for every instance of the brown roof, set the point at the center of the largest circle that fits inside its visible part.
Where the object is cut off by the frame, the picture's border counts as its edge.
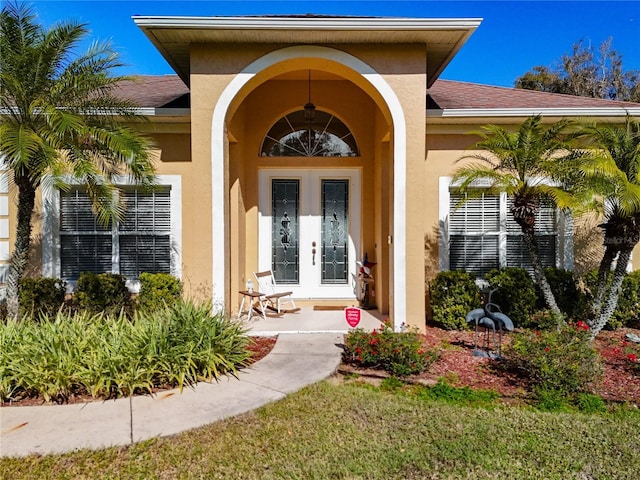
(169, 91)
(451, 94)
(156, 91)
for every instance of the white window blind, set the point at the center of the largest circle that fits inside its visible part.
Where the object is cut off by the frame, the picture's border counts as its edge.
(484, 236)
(140, 243)
(545, 232)
(474, 233)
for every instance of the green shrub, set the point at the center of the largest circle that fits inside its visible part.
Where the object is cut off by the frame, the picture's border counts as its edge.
(628, 308)
(158, 290)
(516, 294)
(41, 296)
(102, 293)
(570, 299)
(627, 311)
(542, 320)
(399, 353)
(564, 361)
(453, 294)
(114, 357)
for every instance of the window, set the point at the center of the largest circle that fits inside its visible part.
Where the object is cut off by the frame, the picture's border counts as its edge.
(145, 240)
(294, 136)
(479, 234)
(141, 242)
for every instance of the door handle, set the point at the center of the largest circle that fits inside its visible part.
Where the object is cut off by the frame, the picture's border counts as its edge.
(313, 253)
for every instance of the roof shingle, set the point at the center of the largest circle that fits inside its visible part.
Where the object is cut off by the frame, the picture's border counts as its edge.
(169, 91)
(446, 94)
(155, 91)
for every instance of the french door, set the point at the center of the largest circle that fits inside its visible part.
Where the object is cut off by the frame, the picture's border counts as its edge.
(309, 230)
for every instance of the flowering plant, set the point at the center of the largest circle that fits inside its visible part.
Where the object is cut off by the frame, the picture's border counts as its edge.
(563, 360)
(399, 353)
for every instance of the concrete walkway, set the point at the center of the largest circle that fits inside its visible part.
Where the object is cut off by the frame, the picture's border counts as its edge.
(297, 360)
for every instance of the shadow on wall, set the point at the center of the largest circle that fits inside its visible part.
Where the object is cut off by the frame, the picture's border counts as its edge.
(587, 245)
(34, 266)
(431, 265)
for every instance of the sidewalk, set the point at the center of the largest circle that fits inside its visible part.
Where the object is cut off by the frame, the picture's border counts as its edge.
(297, 360)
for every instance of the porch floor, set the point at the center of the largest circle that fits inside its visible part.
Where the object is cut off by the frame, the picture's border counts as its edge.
(308, 320)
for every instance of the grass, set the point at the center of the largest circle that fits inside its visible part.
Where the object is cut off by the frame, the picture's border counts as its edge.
(345, 431)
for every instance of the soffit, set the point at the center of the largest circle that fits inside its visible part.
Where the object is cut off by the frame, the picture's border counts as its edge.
(172, 36)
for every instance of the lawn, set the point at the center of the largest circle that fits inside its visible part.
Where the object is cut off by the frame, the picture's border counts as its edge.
(351, 430)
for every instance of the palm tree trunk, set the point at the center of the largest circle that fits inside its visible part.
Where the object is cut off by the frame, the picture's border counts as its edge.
(20, 256)
(538, 273)
(603, 275)
(614, 291)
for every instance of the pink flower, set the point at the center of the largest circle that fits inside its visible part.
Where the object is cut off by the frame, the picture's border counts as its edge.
(632, 357)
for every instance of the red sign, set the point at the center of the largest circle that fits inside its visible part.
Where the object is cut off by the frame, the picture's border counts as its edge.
(352, 316)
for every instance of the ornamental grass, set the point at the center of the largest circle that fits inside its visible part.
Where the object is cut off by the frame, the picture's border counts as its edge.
(110, 356)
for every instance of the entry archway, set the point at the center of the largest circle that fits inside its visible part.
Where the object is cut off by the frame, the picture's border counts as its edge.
(361, 73)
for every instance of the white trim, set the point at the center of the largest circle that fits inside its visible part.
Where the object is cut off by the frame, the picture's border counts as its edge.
(51, 225)
(399, 163)
(444, 202)
(162, 112)
(383, 24)
(528, 112)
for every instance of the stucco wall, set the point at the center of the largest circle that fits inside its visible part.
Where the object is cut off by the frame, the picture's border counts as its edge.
(353, 100)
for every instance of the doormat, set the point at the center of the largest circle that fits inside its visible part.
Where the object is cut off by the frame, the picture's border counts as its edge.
(329, 307)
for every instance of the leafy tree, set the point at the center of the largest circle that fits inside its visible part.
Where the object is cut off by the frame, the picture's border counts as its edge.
(60, 119)
(522, 163)
(586, 73)
(613, 174)
(542, 79)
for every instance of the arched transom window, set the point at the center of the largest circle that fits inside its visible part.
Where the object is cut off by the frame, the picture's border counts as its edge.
(298, 135)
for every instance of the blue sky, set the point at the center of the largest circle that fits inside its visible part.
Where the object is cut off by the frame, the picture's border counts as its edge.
(513, 37)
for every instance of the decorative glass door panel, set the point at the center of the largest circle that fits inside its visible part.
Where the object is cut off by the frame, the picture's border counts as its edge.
(335, 231)
(284, 232)
(309, 229)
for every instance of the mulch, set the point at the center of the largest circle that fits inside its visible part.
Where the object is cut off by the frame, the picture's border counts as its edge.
(460, 367)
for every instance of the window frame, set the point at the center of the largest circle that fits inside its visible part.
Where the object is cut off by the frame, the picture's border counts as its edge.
(563, 230)
(297, 126)
(51, 241)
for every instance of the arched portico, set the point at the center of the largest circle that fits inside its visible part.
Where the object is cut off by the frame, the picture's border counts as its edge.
(370, 81)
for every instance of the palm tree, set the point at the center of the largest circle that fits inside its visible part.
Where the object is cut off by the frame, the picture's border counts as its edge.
(613, 174)
(523, 164)
(60, 119)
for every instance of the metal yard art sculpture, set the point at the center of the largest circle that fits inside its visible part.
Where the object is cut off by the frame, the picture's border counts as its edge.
(490, 323)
